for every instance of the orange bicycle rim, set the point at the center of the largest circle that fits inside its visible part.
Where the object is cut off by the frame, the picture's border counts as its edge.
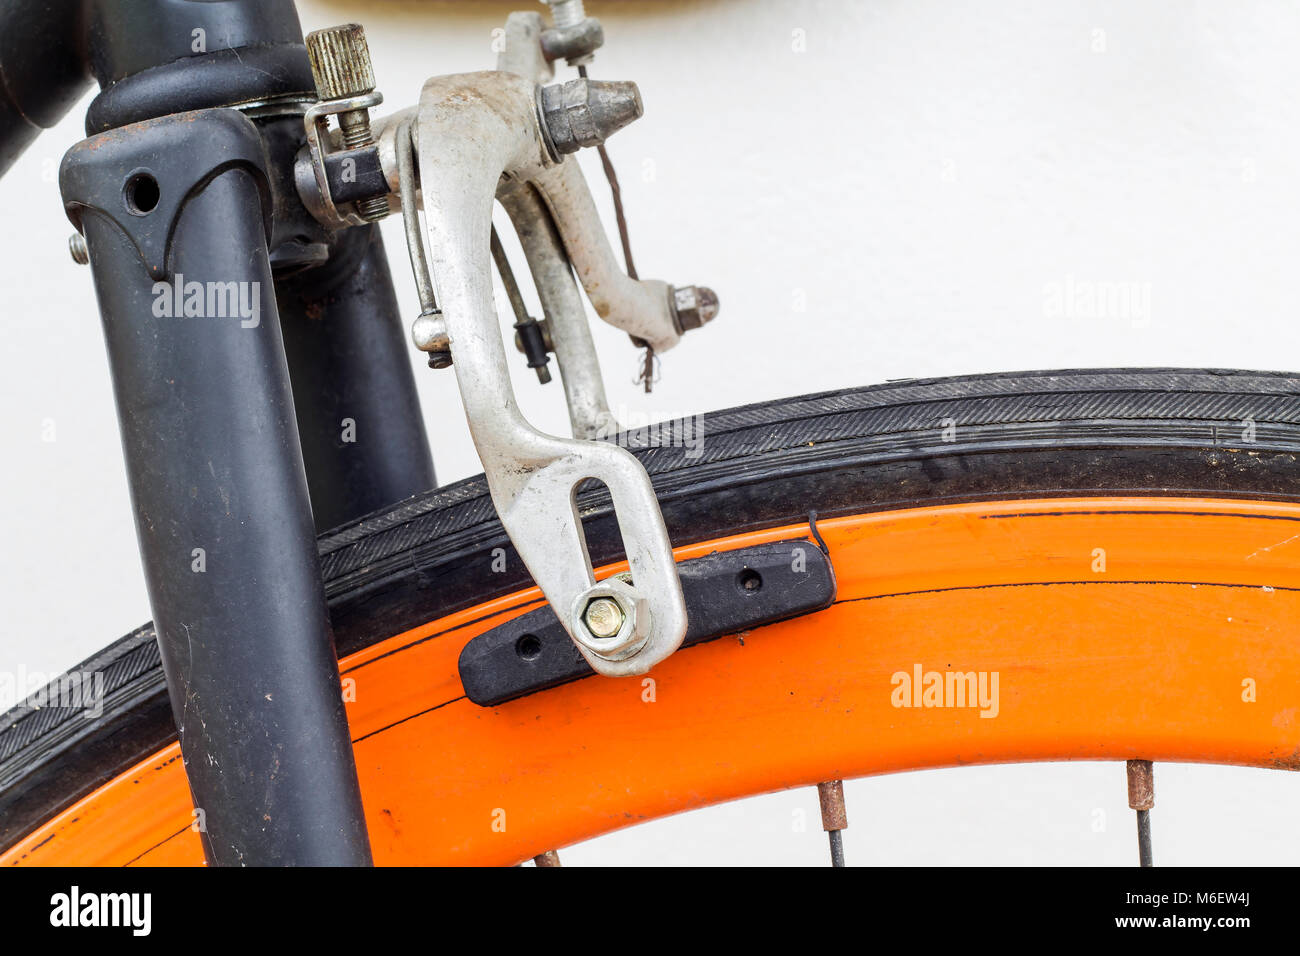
(1155, 628)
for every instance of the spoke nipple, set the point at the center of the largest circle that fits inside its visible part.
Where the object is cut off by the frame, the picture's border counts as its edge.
(1142, 797)
(835, 816)
(1141, 785)
(831, 797)
(549, 858)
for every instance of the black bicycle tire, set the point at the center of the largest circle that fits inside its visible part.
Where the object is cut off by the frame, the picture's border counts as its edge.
(1208, 432)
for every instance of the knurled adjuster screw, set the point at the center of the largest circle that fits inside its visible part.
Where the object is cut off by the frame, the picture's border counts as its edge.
(341, 67)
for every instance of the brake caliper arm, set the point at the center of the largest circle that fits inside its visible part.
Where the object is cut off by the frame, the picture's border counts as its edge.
(472, 130)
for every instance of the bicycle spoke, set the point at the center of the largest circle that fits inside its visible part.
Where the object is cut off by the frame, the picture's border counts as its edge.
(835, 817)
(1142, 797)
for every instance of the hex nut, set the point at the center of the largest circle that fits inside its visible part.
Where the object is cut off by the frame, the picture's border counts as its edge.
(586, 112)
(635, 629)
(694, 306)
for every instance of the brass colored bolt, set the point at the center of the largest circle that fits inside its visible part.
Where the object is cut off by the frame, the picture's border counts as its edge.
(603, 617)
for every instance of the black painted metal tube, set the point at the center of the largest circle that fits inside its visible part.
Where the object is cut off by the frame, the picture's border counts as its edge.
(127, 37)
(43, 70)
(363, 437)
(177, 54)
(175, 215)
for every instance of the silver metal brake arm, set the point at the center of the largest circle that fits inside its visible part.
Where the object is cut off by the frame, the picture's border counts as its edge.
(640, 307)
(473, 129)
(521, 48)
(575, 352)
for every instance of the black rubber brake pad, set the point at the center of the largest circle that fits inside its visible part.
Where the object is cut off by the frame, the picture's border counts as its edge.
(726, 592)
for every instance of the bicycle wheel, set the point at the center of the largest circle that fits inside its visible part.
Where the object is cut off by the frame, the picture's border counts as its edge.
(1121, 548)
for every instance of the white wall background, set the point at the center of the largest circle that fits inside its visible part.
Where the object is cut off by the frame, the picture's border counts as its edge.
(877, 190)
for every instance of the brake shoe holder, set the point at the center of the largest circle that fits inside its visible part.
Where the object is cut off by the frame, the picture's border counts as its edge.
(471, 131)
(727, 592)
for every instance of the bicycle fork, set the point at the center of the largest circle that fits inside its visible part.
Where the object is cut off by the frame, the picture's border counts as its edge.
(175, 215)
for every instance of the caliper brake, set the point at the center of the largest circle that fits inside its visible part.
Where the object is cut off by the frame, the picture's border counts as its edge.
(474, 135)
